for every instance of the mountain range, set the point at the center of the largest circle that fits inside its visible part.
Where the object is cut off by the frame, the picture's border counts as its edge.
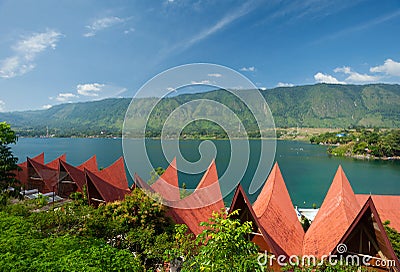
(319, 105)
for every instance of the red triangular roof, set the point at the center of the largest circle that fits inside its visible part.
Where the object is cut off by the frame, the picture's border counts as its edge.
(115, 174)
(368, 226)
(276, 214)
(56, 162)
(199, 206)
(77, 175)
(167, 184)
(210, 177)
(39, 158)
(388, 207)
(49, 175)
(337, 212)
(22, 175)
(107, 191)
(90, 164)
(206, 193)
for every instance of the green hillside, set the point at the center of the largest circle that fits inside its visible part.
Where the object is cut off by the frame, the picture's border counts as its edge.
(72, 119)
(320, 105)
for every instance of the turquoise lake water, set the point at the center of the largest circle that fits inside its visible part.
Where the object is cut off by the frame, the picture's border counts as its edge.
(307, 169)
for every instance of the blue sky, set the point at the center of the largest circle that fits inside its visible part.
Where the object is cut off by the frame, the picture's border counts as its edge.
(54, 52)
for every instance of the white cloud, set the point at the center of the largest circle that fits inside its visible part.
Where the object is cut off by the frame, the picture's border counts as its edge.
(2, 104)
(355, 77)
(281, 84)
(390, 68)
(215, 75)
(46, 107)
(90, 89)
(26, 51)
(65, 97)
(248, 69)
(88, 92)
(203, 82)
(325, 78)
(37, 43)
(130, 30)
(14, 66)
(102, 24)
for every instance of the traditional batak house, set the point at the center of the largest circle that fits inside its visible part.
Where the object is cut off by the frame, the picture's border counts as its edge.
(338, 210)
(199, 206)
(388, 208)
(59, 177)
(41, 177)
(22, 173)
(276, 228)
(193, 209)
(72, 179)
(275, 212)
(366, 237)
(341, 220)
(107, 185)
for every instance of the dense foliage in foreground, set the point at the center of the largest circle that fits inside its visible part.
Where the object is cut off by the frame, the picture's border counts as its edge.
(25, 249)
(375, 143)
(7, 159)
(130, 235)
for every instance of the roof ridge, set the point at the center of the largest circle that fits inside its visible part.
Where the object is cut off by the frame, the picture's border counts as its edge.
(272, 177)
(274, 169)
(167, 184)
(204, 183)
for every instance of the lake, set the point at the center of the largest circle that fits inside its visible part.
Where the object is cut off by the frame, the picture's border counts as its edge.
(307, 169)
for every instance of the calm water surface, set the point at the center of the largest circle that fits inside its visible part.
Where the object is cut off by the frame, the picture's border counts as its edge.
(307, 169)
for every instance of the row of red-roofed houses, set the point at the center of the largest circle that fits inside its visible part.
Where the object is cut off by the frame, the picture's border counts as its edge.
(343, 219)
(60, 178)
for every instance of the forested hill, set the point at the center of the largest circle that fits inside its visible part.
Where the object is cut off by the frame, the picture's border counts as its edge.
(320, 105)
(72, 119)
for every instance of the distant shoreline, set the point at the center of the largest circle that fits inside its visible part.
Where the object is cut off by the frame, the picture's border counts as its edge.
(290, 134)
(369, 157)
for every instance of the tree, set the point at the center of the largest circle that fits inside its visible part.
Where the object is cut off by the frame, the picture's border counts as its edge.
(394, 237)
(8, 163)
(138, 224)
(155, 174)
(224, 246)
